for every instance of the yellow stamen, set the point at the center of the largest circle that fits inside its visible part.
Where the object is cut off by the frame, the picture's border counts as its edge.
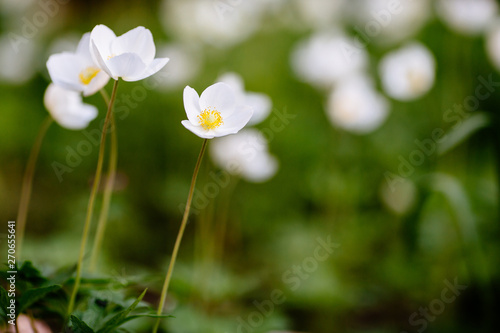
(88, 74)
(210, 119)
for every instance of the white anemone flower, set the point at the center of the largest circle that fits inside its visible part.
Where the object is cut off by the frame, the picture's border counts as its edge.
(319, 13)
(355, 106)
(408, 73)
(246, 155)
(186, 64)
(388, 21)
(218, 23)
(214, 113)
(77, 71)
(130, 56)
(469, 17)
(327, 58)
(17, 59)
(400, 196)
(493, 44)
(260, 103)
(67, 108)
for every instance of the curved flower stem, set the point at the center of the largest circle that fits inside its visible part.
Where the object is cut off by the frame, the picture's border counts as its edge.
(108, 191)
(90, 206)
(24, 202)
(179, 235)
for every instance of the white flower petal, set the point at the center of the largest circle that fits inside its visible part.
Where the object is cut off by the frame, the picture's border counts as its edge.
(233, 80)
(102, 38)
(138, 41)
(67, 108)
(408, 73)
(130, 56)
(78, 118)
(155, 66)
(97, 83)
(198, 130)
(244, 154)
(236, 121)
(493, 44)
(355, 106)
(187, 62)
(219, 96)
(128, 66)
(83, 48)
(327, 58)
(261, 105)
(191, 104)
(64, 69)
(261, 168)
(18, 57)
(470, 17)
(98, 59)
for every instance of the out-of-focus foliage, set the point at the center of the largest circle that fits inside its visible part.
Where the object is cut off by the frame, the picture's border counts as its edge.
(370, 219)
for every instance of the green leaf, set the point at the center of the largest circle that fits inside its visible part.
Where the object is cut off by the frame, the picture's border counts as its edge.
(33, 295)
(463, 131)
(94, 283)
(80, 326)
(97, 281)
(146, 315)
(120, 317)
(29, 273)
(63, 275)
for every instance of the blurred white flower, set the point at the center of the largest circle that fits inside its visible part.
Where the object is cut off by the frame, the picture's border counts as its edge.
(130, 56)
(63, 43)
(324, 59)
(408, 73)
(17, 58)
(388, 21)
(185, 65)
(319, 13)
(246, 155)
(469, 17)
(399, 196)
(219, 23)
(260, 103)
(355, 106)
(493, 44)
(67, 108)
(15, 7)
(77, 71)
(214, 113)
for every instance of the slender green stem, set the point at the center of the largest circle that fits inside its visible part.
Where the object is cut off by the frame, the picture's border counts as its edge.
(90, 206)
(24, 202)
(105, 96)
(179, 235)
(108, 191)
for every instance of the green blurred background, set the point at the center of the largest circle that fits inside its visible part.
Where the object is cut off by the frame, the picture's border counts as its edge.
(395, 249)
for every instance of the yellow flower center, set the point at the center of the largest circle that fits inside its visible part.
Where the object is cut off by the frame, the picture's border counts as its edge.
(88, 74)
(210, 119)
